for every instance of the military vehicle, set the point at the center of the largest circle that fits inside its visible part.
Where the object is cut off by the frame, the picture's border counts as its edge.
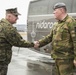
(40, 19)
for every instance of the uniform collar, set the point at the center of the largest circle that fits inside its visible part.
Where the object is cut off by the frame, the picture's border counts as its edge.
(5, 20)
(60, 21)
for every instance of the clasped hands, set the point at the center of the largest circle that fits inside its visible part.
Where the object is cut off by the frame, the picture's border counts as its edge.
(36, 44)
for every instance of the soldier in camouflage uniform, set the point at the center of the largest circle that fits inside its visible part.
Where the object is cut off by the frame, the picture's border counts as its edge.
(63, 38)
(9, 37)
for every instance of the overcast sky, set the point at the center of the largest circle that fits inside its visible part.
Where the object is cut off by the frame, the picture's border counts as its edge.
(22, 6)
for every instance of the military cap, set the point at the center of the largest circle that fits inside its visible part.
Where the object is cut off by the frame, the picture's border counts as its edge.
(13, 11)
(59, 5)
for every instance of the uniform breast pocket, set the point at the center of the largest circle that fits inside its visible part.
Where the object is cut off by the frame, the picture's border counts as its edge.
(57, 34)
(65, 33)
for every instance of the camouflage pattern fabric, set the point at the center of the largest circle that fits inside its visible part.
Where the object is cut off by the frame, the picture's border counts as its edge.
(3, 69)
(63, 41)
(9, 37)
(64, 67)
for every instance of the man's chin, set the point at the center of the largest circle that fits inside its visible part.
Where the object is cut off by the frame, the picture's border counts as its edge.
(14, 23)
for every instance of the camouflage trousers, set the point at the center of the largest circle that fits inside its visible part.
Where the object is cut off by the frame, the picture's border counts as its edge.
(3, 69)
(64, 66)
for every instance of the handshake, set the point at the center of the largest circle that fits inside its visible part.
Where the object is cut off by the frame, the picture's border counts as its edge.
(36, 44)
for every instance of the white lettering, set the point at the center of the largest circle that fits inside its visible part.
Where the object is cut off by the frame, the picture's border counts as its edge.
(44, 25)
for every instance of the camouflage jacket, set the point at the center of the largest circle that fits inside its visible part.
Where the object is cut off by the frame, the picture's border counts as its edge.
(10, 37)
(63, 38)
